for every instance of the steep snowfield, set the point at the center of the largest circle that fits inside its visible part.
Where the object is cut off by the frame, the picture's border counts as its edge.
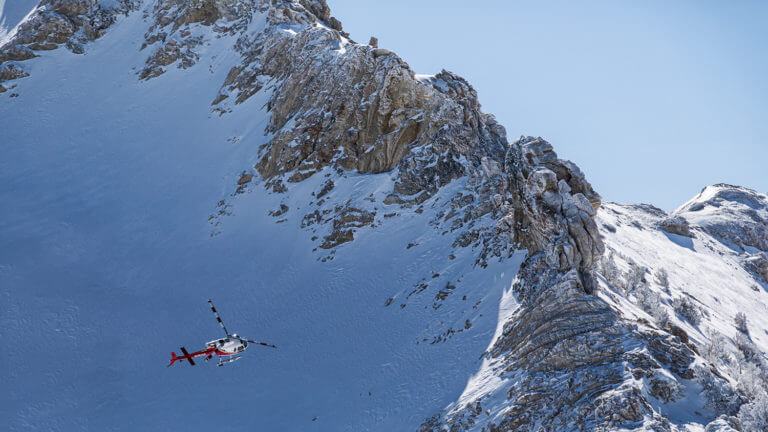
(107, 261)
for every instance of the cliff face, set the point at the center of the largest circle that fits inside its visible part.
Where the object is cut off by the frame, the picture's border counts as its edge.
(345, 141)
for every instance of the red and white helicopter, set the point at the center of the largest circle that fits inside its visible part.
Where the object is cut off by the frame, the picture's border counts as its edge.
(232, 345)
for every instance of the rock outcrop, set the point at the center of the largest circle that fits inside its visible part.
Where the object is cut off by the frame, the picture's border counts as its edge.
(757, 264)
(555, 207)
(340, 104)
(573, 362)
(677, 225)
(356, 107)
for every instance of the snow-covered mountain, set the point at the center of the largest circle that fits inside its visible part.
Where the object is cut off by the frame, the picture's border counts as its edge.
(417, 270)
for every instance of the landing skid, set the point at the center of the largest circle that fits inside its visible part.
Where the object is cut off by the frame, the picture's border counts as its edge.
(229, 360)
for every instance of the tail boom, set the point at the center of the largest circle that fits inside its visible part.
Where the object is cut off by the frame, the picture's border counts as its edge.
(187, 356)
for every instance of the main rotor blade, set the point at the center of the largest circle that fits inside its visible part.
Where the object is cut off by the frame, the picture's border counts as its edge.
(262, 343)
(218, 318)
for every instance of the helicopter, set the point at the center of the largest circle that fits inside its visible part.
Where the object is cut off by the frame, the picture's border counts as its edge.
(230, 346)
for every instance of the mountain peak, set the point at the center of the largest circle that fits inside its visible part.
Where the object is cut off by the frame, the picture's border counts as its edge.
(734, 214)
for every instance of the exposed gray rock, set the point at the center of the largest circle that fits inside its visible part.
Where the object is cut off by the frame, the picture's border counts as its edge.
(555, 206)
(319, 8)
(16, 52)
(334, 23)
(757, 264)
(168, 54)
(360, 111)
(345, 221)
(676, 225)
(348, 106)
(9, 71)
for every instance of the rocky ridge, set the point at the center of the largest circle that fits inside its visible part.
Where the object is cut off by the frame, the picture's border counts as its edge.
(378, 116)
(342, 106)
(570, 359)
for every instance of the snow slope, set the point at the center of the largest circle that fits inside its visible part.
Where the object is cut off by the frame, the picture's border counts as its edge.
(702, 267)
(107, 261)
(697, 284)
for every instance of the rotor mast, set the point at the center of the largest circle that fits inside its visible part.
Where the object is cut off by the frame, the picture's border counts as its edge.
(218, 318)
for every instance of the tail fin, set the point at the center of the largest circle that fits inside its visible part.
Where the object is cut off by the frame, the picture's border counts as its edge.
(173, 358)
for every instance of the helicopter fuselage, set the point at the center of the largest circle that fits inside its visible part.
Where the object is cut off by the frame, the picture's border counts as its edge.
(229, 345)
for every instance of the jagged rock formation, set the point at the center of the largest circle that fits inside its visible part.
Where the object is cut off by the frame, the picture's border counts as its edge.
(573, 361)
(556, 207)
(346, 106)
(340, 104)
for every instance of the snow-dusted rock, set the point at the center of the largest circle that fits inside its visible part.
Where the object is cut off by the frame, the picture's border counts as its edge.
(71, 23)
(724, 424)
(677, 225)
(758, 264)
(555, 206)
(734, 214)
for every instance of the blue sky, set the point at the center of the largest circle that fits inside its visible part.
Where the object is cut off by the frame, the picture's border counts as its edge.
(654, 100)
